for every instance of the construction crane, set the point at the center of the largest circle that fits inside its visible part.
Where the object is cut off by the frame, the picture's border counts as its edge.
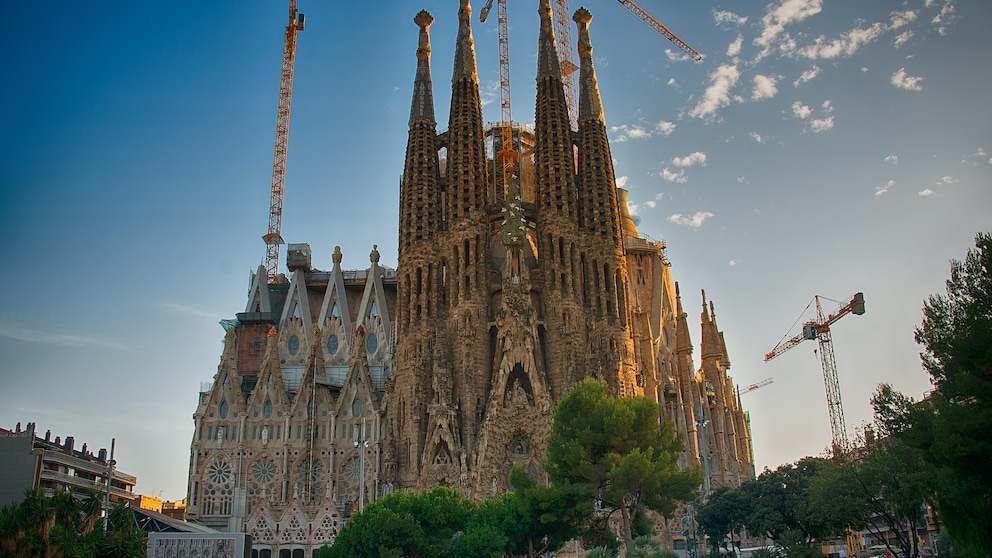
(507, 154)
(568, 67)
(274, 237)
(754, 386)
(819, 329)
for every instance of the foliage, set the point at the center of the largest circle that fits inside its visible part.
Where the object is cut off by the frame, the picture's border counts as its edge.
(547, 516)
(952, 426)
(621, 450)
(66, 526)
(406, 524)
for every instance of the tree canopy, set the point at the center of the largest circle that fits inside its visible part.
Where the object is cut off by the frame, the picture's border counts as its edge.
(622, 450)
(953, 426)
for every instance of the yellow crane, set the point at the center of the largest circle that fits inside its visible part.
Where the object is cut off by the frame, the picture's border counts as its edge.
(819, 329)
(274, 237)
(568, 67)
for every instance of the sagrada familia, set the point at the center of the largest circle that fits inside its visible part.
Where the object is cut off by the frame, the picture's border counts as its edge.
(337, 387)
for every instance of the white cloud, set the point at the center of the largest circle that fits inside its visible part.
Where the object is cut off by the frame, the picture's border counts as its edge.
(821, 124)
(734, 48)
(695, 221)
(946, 180)
(808, 75)
(717, 95)
(732, 263)
(741, 180)
(665, 128)
(925, 193)
(903, 38)
(800, 110)
(764, 87)
(671, 176)
(621, 181)
(489, 92)
(902, 80)
(672, 82)
(902, 19)
(894, 159)
(980, 152)
(844, 46)
(651, 203)
(757, 137)
(694, 158)
(864, 70)
(881, 190)
(945, 17)
(990, 161)
(629, 132)
(727, 19)
(676, 55)
(779, 15)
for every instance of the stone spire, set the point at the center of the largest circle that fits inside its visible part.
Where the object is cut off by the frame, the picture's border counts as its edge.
(590, 105)
(554, 156)
(710, 344)
(599, 213)
(423, 97)
(467, 172)
(420, 190)
(465, 47)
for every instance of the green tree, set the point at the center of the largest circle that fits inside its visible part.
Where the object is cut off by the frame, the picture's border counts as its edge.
(622, 450)
(406, 524)
(952, 426)
(547, 516)
(723, 514)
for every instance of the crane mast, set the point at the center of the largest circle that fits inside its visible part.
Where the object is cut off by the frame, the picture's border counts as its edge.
(819, 329)
(274, 237)
(507, 154)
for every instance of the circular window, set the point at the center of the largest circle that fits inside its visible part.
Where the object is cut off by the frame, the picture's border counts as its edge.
(332, 344)
(219, 472)
(356, 408)
(294, 345)
(264, 471)
(371, 343)
(223, 410)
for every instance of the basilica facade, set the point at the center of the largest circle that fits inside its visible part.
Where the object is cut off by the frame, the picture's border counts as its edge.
(513, 283)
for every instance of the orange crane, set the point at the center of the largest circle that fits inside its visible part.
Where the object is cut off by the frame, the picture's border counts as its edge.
(754, 386)
(819, 329)
(568, 67)
(507, 154)
(274, 237)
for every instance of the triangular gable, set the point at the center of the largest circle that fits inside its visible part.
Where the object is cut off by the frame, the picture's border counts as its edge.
(258, 293)
(374, 307)
(335, 304)
(297, 302)
(227, 383)
(358, 382)
(270, 386)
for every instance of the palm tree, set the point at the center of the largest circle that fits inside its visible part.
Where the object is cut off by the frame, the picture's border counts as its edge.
(90, 507)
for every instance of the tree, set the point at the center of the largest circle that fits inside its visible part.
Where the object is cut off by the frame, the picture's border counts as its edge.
(622, 450)
(406, 524)
(61, 526)
(547, 516)
(723, 514)
(952, 425)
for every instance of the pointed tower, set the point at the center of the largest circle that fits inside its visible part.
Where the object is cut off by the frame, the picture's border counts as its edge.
(687, 380)
(421, 222)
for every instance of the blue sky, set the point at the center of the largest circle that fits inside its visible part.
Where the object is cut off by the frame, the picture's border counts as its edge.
(819, 148)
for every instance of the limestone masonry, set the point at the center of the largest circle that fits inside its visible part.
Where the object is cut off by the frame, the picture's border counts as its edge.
(336, 387)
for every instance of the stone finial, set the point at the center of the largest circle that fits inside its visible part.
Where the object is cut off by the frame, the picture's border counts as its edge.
(422, 107)
(273, 333)
(374, 255)
(337, 255)
(424, 19)
(590, 103)
(315, 332)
